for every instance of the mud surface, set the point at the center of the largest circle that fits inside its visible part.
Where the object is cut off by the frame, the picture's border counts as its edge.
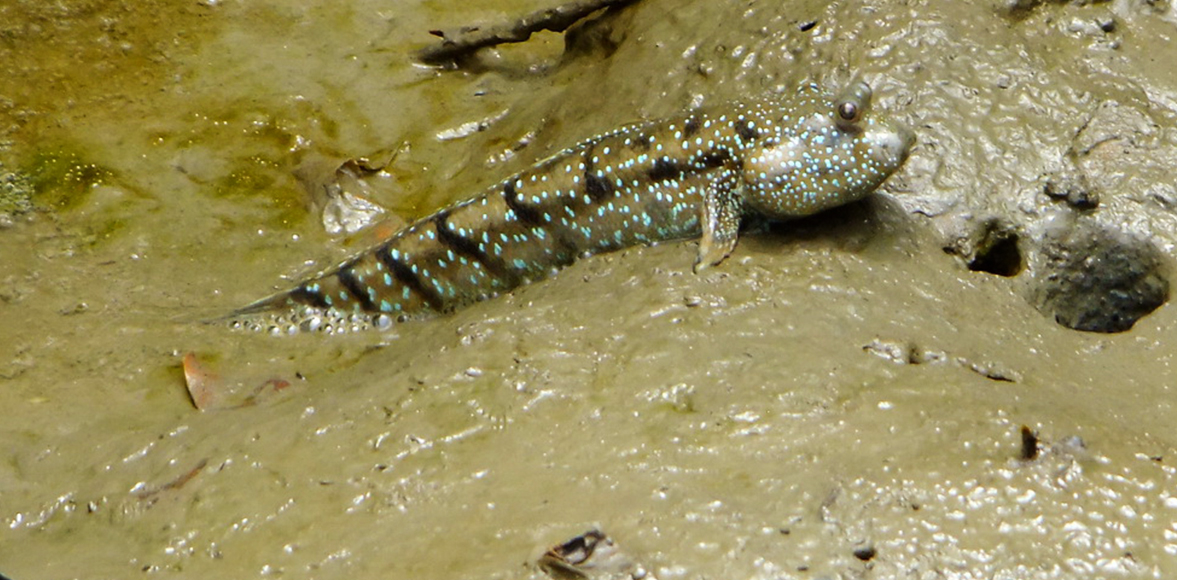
(844, 397)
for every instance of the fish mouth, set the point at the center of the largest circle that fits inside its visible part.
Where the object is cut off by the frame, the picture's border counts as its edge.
(892, 145)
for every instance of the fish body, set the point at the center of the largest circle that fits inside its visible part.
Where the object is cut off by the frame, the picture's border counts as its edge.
(695, 176)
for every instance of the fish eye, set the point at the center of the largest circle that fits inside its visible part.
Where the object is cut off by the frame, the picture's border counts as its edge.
(848, 112)
(851, 106)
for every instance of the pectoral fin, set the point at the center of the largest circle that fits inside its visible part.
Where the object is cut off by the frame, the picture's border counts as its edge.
(722, 209)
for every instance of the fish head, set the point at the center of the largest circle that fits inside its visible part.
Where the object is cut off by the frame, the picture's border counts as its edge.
(820, 151)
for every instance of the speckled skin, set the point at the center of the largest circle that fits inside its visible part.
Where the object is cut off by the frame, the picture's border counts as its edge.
(697, 175)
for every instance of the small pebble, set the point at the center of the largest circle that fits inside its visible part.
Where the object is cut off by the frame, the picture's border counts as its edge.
(865, 553)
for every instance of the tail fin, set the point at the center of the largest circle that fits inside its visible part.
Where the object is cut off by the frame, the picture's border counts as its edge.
(273, 303)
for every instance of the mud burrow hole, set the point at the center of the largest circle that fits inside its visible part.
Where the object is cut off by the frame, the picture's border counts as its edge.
(1098, 279)
(1084, 276)
(991, 248)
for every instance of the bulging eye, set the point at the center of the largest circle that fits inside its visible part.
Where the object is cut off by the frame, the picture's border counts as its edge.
(849, 112)
(851, 106)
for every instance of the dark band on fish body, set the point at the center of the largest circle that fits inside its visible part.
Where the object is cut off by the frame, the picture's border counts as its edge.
(594, 186)
(597, 188)
(470, 249)
(717, 158)
(747, 130)
(643, 142)
(359, 291)
(586, 157)
(305, 295)
(526, 214)
(691, 127)
(664, 169)
(532, 217)
(405, 275)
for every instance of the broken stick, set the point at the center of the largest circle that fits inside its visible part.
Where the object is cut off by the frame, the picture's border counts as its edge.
(464, 41)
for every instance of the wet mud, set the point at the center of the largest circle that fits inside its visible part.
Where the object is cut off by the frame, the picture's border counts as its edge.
(967, 375)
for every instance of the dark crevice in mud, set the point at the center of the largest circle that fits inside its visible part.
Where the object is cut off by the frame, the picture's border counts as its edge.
(1029, 450)
(1095, 279)
(1000, 257)
(992, 248)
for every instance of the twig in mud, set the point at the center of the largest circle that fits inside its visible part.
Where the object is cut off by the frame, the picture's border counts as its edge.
(464, 41)
(177, 483)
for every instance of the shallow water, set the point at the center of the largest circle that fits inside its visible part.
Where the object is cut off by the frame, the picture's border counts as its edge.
(839, 383)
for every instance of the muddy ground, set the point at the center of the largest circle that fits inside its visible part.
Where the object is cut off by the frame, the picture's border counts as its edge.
(967, 376)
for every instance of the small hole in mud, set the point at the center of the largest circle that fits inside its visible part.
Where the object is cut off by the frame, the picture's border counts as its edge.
(991, 246)
(1096, 279)
(1029, 450)
(1000, 257)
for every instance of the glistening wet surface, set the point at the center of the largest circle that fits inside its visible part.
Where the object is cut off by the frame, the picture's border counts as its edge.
(840, 397)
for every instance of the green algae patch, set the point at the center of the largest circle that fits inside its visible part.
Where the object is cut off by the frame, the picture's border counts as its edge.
(62, 179)
(264, 179)
(245, 151)
(252, 177)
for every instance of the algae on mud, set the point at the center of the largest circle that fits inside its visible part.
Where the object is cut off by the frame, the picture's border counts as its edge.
(693, 417)
(62, 179)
